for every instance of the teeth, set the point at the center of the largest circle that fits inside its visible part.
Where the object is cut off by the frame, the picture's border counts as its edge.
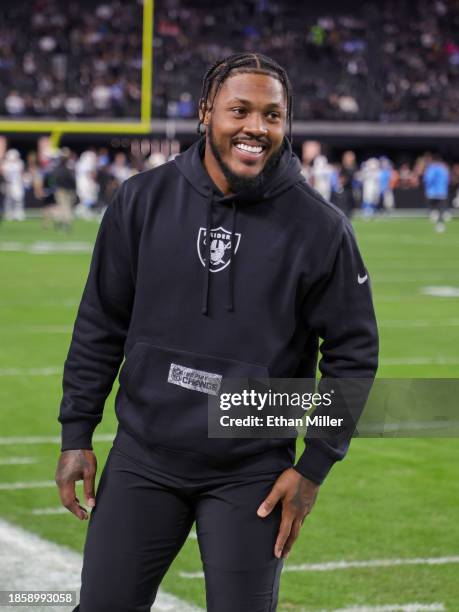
(249, 148)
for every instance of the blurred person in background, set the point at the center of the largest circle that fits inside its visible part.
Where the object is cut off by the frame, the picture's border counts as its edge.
(344, 194)
(156, 159)
(404, 177)
(455, 185)
(33, 182)
(387, 184)
(436, 189)
(2, 196)
(86, 184)
(321, 176)
(370, 177)
(12, 169)
(310, 149)
(105, 180)
(120, 169)
(63, 179)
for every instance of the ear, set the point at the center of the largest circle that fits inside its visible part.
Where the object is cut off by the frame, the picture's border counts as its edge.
(204, 113)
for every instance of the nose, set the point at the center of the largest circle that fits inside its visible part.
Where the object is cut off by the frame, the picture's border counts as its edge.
(255, 125)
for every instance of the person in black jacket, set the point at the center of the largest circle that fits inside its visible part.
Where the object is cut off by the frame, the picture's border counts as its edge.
(63, 181)
(220, 264)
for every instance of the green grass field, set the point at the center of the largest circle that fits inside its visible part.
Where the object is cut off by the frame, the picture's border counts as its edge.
(390, 498)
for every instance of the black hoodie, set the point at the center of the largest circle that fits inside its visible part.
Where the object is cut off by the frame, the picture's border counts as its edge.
(281, 270)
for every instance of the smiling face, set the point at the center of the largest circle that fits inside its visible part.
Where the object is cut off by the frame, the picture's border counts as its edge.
(245, 130)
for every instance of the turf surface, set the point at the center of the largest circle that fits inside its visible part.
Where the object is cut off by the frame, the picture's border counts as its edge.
(390, 498)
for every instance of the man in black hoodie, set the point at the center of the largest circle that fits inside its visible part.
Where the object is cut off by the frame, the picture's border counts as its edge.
(223, 263)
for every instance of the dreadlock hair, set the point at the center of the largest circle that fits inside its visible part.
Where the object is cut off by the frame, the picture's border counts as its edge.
(242, 63)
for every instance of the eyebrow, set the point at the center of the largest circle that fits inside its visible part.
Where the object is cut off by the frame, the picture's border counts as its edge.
(249, 103)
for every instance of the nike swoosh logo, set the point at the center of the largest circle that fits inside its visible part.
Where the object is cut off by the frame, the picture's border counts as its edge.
(362, 279)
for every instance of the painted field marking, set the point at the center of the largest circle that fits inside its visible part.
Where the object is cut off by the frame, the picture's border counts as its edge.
(434, 323)
(7, 440)
(30, 563)
(408, 607)
(438, 360)
(18, 461)
(37, 329)
(33, 484)
(67, 329)
(52, 303)
(49, 371)
(340, 565)
(441, 291)
(417, 279)
(49, 511)
(450, 427)
(41, 247)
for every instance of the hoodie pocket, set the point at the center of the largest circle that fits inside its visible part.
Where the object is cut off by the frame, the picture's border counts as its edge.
(166, 393)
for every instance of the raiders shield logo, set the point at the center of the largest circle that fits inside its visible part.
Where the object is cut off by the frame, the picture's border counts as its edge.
(220, 242)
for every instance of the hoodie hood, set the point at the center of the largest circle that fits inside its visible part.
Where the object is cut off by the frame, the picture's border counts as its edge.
(284, 175)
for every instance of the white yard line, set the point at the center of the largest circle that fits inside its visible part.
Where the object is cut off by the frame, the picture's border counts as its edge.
(441, 291)
(49, 511)
(409, 607)
(29, 562)
(18, 461)
(37, 329)
(50, 371)
(433, 323)
(34, 484)
(66, 329)
(448, 427)
(438, 360)
(62, 303)
(340, 565)
(8, 440)
(38, 248)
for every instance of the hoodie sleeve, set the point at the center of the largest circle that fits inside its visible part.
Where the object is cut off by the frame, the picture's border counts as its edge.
(97, 344)
(339, 310)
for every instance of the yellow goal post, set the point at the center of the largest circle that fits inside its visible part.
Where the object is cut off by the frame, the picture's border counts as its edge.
(58, 128)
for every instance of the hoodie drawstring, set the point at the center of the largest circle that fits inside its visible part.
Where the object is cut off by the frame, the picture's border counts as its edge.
(205, 288)
(206, 283)
(230, 306)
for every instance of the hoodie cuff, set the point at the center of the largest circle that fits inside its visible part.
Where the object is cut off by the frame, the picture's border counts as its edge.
(77, 435)
(314, 464)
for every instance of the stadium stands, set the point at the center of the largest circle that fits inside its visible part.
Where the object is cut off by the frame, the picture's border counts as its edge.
(391, 61)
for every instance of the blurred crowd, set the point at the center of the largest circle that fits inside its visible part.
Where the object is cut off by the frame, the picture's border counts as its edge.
(382, 61)
(65, 185)
(371, 185)
(70, 59)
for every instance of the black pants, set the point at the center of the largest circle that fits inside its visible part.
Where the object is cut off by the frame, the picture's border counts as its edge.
(142, 518)
(439, 205)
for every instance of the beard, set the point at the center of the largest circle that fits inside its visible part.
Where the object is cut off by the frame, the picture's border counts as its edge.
(237, 182)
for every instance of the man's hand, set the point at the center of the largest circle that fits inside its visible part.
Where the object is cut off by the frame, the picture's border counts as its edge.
(76, 465)
(298, 495)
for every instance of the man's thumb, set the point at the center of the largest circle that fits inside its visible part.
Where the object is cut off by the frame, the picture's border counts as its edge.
(269, 503)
